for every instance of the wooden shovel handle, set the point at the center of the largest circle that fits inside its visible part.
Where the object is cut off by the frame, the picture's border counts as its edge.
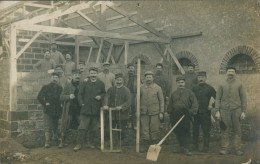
(164, 138)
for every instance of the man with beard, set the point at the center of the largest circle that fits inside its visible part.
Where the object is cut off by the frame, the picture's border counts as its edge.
(45, 64)
(161, 80)
(190, 77)
(56, 55)
(118, 97)
(49, 97)
(106, 77)
(204, 93)
(131, 84)
(182, 102)
(231, 105)
(71, 108)
(90, 96)
(69, 65)
(152, 109)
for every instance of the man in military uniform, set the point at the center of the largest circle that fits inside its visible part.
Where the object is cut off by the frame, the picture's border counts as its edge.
(182, 102)
(119, 97)
(106, 77)
(204, 93)
(71, 108)
(231, 105)
(90, 96)
(190, 77)
(152, 109)
(49, 97)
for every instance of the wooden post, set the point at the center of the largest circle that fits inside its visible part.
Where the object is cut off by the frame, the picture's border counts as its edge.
(138, 105)
(99, 51)
(109, 52)
(77, 50)
(175, 60)
(89, 54)
(13, 70)
(126, 51)
(102, 128)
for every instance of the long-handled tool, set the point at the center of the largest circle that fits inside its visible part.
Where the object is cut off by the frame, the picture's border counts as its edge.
(154, 150)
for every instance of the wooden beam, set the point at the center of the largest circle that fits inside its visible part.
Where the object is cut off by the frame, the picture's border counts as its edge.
(126, 52)
(113, 60)
(99, 51)
(28, 44)
(77, 50)
(138, 99)
(109, 52)
(13, 71)
(60, 30)
(175, 59)
(60, 36)
(38, 5)
(56, 14)
(89, 20)
(7, 47)
(187, 35)
(120, 53)
(43, 35)
(89, 54)
(145, 31)
(164, 54)
(159, 49)
(126, 25)
(120, 16)
(119, 22)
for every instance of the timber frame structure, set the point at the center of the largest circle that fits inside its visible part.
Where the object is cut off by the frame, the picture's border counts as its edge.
(92, 33)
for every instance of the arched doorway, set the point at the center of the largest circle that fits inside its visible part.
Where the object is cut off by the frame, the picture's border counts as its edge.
(185, 57)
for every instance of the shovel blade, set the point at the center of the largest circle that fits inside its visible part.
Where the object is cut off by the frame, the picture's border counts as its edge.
(153, 152)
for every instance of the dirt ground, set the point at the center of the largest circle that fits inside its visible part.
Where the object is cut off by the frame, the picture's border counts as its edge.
(11, 152)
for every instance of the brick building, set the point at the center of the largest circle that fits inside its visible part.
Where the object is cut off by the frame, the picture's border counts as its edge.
(210, 34)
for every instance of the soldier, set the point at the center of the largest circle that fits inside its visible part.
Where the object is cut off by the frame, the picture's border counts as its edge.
(119, 97)
(152, 109)
(45, 64)
(56, 55)
(231, 105)
(106, 77)
(161, 80)
(71, 108)
(190, 77)
(204, 93)
(182, 102)
(69, 65)
(131, 84)
(49, 97)
(90, 96)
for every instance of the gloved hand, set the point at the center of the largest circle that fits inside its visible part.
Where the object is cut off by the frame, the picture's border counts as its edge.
(217, 115)
(242, 116)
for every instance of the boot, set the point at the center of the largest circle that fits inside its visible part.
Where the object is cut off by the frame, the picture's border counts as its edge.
(61, 145)
(47, 140)
(223, 151)
(187, 152)
(144, 146)
(54, 136)
(80, 140)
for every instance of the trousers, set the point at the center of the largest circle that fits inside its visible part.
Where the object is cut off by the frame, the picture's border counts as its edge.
(150, 127)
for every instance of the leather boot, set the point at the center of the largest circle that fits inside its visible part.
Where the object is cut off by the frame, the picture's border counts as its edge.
(47, 140)
(80, 140)
(61, 145)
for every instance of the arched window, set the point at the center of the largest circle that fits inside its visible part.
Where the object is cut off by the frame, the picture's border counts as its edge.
(243, 63)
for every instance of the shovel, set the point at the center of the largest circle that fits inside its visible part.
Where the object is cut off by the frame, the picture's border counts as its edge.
(154, 150)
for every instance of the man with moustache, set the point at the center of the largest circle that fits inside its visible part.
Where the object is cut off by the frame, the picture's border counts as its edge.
(71, 108)
(119, 97)
(152, 109)
(190, 77)
(106, 77)
(56, 55)
(45, 64)
(161, 80)
(89, 97)
(84, 74)
(49, 97)
(231, 105)
(182, 102)
(62, 78)
(131, 84)
(204, 93)
(69, 65)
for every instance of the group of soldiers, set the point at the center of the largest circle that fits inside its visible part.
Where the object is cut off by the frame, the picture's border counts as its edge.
(78, 100)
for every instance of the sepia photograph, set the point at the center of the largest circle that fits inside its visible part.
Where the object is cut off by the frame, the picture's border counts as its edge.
(133, 82)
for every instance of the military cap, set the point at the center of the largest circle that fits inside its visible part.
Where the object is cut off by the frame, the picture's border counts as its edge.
(82, 62)
(181, 77)
(106, 63)
(148, 73)
(93, 69)
(159, 64)
(58, 66)
(202, 73)
(191, 65)
(129, 65)
(118, 75)
(55, 74)
(76, 71)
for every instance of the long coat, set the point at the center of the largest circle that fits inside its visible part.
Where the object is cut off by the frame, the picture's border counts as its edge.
(119, 97)
(87, 93)
(50, 93)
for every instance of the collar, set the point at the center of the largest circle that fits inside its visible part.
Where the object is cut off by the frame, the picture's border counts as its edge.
(231, 80)
(149, 86)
